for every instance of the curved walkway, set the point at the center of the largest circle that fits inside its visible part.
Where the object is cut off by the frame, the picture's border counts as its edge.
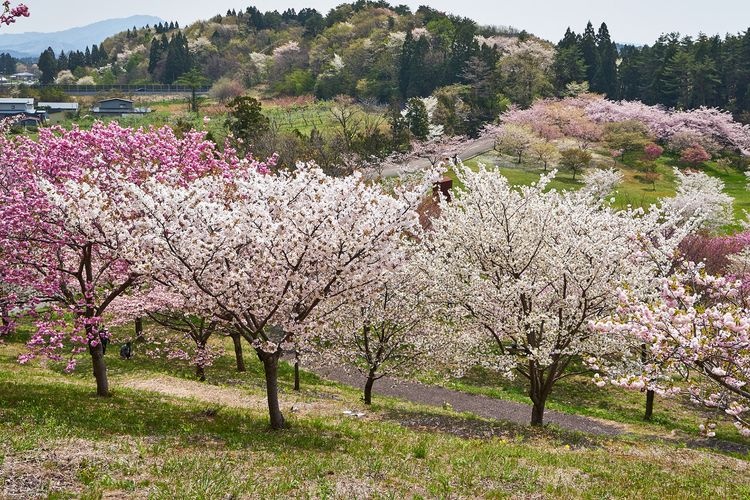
(479, 405)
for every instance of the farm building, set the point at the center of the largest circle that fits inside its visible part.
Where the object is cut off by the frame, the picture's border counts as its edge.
(118, 106)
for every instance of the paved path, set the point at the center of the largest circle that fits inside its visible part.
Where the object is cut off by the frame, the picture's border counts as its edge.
(473, 148)
(482, 406)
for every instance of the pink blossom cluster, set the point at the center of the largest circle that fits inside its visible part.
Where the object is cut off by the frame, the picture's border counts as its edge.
(696, 322)
(65, 220)
(714, 252)
(10, 14)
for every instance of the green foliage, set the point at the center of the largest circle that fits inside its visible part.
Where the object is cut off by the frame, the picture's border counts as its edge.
(194, 80)
(246, 121)
(298, 82)
(417, 118)
(48, 66)
(626, 136)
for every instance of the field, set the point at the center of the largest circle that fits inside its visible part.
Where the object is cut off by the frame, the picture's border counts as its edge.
(164, 435)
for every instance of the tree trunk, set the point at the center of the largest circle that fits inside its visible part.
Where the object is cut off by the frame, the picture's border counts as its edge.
(649, 404)
(100, 369)
(271, 369)
(649, 393)
(368, 388)
(537, 412)
(238, 352)
(200, 373)
(5, 317)
(296, 374)
(139, 330)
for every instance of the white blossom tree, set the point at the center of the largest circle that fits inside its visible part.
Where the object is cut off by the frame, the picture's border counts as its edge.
(700, 195)
(524, 270)
(391, 334)
(267, 250)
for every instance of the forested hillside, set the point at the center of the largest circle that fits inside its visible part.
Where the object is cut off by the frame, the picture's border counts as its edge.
(377, 52)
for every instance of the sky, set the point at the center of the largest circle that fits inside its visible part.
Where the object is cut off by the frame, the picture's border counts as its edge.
(629, 21)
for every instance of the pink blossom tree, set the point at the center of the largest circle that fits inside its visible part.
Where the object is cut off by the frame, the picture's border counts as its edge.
(652, 151)
(695, 155)
(66, 223)
(265, 252)
(696, 322)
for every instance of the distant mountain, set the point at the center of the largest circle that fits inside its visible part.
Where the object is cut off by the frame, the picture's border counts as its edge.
(32, 44)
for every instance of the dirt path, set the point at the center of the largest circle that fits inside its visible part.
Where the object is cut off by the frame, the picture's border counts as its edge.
(482, 406)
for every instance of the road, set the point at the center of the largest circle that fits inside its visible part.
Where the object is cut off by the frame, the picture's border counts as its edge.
(472, 149)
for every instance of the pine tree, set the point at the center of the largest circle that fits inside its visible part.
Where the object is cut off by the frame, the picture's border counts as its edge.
(154, 55)
(95, 55)
(62, 61)
(48, 66)
(589, 52)
(605, 78)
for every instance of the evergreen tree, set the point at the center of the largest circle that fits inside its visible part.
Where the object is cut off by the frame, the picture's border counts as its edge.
(417, 118)
(589, 52)
(94, 55)
(605, 79)
(48, 66)
(154, 55)
(178, 58)
(569, 65)
(246, 121)
(62, 61)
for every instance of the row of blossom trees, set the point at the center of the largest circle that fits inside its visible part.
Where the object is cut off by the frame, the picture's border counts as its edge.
(109, 224)
(90, 218)
(584, 118)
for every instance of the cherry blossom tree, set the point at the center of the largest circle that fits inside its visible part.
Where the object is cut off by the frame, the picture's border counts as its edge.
(709, 127)
(181, 336)
(66, 223)
(600, 183)
(513, 140)
(703, 196)
(265, 252)
(544, 153)
(696, 322)
(523, 270)
(8, 14)
(392, 334)
(695, 155)
(652, 151)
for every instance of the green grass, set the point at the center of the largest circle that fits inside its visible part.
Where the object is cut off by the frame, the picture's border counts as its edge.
(55, 432)
(632, 191)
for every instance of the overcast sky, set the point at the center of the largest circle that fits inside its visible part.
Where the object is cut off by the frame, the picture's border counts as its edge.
(636, 21)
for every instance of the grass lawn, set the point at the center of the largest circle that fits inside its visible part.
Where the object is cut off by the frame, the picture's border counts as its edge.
(164, 435)
(632, 191)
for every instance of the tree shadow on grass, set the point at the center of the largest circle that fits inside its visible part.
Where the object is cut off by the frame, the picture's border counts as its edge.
(470, 427)
(72, 410)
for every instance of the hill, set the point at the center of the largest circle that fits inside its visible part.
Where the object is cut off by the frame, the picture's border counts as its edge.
(164, 435)
(31, 44)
